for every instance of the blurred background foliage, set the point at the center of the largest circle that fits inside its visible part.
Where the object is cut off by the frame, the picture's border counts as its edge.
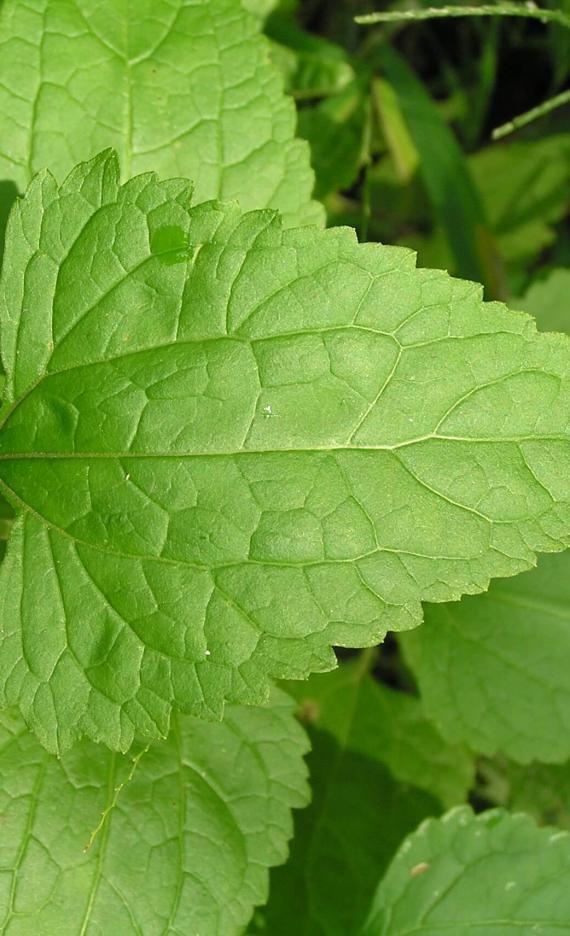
(399, 118)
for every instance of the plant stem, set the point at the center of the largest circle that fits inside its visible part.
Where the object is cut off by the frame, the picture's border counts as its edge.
(524, 119)
(525, 10)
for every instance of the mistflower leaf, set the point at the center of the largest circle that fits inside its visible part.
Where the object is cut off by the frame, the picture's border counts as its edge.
(178, 87)
(187, 847)
(232, 446)
(496, 873)
(493, 669)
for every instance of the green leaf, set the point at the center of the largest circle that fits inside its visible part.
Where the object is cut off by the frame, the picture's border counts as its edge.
(543, 790)
(185, 849)
(495, 873)
(493, 669)
(387, 726)
(342, 844)
(525, 188)
(360, 810)
(260, 8)
(548, 300)
(179, 87)
(336, 131)
(311, 66)
(233, 446)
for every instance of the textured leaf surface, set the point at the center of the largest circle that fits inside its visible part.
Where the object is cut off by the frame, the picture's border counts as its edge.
(387, 726)
(187, 846)
(179, 87)
(493, 669)
(343, 842)
(233, 446)
(494, 873)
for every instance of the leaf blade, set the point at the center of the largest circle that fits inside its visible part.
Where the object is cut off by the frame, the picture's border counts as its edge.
(183, 89)
(475, 871)
(304, 436)
(159, 861)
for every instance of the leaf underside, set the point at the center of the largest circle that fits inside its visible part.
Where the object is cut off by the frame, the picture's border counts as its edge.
(185, 849)
(233, 445)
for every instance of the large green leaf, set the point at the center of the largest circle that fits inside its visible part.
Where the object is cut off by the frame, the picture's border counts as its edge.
(494, 873)
(179, 87)
(482, 677)
(232, 446)
(493, 669)
(185, 849)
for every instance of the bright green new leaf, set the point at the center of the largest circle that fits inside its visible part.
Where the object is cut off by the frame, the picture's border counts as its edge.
(184, 850)
(178, 87)
(343, 842)
(494, 873)
(387, 726)
(233, 446)
(493, 669)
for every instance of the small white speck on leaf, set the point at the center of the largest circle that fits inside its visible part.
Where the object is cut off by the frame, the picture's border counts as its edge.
(267, 410)
(207, 652)
(510, 884)
(127, 477)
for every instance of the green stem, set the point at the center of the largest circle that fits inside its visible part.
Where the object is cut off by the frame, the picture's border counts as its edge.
(526, 10)
(114, 799)
(524, 119)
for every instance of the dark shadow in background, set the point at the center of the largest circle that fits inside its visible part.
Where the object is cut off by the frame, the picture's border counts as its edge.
(8, 194)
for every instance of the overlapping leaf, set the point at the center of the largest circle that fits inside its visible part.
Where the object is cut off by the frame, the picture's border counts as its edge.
(179, 87)
(496, 873)
(493, 669)
(232, 446)
(360, 810)
(382, 724)
(548, 300)
(343, 842)
(185, 849)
